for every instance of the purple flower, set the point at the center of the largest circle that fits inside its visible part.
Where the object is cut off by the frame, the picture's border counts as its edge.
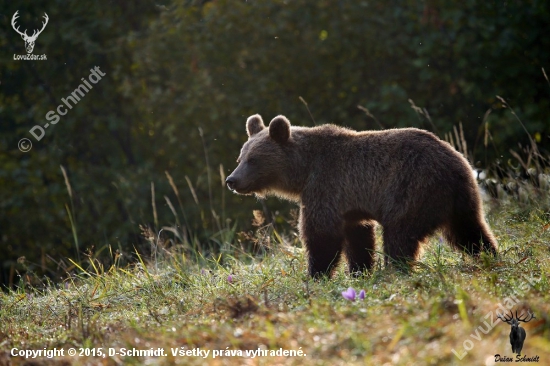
(203, 272)
(349, 294)
(362, 295)
(230, 278)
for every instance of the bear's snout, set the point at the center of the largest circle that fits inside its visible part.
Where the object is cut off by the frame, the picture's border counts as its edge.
(231, 182)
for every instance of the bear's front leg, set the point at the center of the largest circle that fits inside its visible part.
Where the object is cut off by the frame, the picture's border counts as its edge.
(323, 238)
(324, 251)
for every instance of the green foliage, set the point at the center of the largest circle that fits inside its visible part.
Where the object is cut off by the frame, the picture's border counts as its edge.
(228, 60)
(104, 155)
(174, 68)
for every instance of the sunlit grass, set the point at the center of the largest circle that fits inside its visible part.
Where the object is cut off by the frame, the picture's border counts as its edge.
(187, 301)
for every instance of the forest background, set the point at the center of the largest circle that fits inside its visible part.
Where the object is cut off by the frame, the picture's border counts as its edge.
(149, 146)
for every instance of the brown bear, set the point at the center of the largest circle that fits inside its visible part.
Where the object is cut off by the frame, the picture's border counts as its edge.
(408, 180)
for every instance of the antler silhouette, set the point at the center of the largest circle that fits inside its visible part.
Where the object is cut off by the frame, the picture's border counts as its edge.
(517, 333)
(13, 19)
(46, 18)
(29, 40)
(525, 320)
(505, 318)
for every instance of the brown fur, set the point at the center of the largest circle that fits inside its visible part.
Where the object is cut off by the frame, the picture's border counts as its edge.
(407, 180)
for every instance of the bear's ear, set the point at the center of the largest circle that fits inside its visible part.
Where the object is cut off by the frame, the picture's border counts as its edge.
(279, 129)
(254, 124)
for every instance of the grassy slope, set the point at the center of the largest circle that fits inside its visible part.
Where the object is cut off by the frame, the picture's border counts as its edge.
(404, 319)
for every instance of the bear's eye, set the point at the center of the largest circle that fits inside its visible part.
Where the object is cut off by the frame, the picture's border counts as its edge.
(252, 161)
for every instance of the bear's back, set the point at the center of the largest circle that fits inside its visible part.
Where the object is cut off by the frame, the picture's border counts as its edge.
(397, 147)
(387, 170)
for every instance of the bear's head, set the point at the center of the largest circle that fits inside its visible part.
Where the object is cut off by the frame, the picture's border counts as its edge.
(265, 159)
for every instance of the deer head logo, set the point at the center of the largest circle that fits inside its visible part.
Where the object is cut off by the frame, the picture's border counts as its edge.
(29, 40)
(517, 333)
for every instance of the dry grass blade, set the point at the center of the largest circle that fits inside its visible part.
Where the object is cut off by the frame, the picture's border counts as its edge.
(369, 114)
(222, 176)
(172, 208)
(308, 111)
(193, 193)
(153, 203)
(67, 183)
(259, 218)
(172, 184)
(533, 143)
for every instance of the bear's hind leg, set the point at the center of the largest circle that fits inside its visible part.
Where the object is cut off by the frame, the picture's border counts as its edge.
(360, 245)
(401, 246)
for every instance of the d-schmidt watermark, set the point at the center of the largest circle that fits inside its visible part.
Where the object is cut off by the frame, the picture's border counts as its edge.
(54, 116)
(29, 40)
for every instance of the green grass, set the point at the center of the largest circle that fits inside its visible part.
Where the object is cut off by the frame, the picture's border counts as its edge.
(184, 300)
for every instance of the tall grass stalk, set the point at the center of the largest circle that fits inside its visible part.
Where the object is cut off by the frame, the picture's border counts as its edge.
(209, 178)
(176, 191)
(71, 212)
(154, 205)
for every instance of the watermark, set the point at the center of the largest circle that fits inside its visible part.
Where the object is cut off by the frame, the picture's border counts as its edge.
(517, 333)
(29, 57)
(29, 40)
(182, 352)
(524, 358)
(517, 336)
(54, 116)
(491, 321)
(25, 145)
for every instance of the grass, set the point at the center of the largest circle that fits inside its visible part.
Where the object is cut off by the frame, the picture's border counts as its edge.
(185, 300)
